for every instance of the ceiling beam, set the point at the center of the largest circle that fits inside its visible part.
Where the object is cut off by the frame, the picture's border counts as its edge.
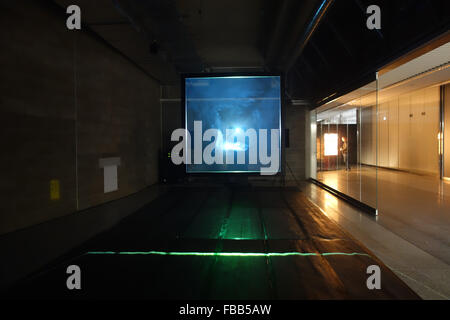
(312, 26)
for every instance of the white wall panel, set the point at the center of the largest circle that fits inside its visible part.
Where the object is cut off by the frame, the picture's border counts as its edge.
(393, 133)
(408, 126)
(383, 134)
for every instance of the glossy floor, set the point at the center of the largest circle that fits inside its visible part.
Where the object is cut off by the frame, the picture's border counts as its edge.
(415, 207)
(224, 242)
(425, 274)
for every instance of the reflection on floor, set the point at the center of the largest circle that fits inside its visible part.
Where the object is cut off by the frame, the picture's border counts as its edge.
(427, 275)
(222, 243)
(415, 207)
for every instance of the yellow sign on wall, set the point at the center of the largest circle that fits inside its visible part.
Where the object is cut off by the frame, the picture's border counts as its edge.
(54, 189)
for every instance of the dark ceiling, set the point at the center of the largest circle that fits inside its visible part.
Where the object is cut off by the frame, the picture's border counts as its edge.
(169, 37)
(343, 53)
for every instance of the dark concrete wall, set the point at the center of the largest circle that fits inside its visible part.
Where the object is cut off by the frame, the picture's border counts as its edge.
(29, 250)
(67, 100)
(295, 155)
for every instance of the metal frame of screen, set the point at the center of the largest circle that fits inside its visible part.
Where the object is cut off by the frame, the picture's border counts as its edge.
(231, 75)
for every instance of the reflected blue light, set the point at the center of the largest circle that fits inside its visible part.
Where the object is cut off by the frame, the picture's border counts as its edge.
(233, 146)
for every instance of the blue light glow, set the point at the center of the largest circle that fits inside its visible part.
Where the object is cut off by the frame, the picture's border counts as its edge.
(237, 104)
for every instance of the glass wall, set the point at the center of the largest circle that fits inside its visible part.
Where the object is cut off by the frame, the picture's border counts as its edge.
(346, 145)
(386, 141)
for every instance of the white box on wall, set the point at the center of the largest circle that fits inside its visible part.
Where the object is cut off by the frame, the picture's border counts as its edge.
(110, 180)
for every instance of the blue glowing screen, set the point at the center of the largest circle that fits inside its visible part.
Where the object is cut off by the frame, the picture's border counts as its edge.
(232, 106)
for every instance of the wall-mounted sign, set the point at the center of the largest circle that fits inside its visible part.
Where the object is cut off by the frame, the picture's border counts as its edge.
(331, 144)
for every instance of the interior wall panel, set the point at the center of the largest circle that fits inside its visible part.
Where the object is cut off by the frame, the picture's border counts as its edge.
(393, 133)
(368, 136)
(417, 146)
(408, 128)
(447, 131)
(383, 134)
(431, 129)
(404, 131)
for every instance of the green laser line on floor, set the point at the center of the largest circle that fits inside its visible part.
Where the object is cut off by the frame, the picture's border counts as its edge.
(227, 254)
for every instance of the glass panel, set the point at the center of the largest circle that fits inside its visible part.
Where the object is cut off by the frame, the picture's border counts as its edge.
(394, 148)
(410, 152)
(346, 146)
(313, 145)
(444, 149)
(369, 141)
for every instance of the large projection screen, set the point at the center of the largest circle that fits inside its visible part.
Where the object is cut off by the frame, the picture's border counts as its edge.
(235, 107)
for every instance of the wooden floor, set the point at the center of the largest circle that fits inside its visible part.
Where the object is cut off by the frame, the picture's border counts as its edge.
(224, 242)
